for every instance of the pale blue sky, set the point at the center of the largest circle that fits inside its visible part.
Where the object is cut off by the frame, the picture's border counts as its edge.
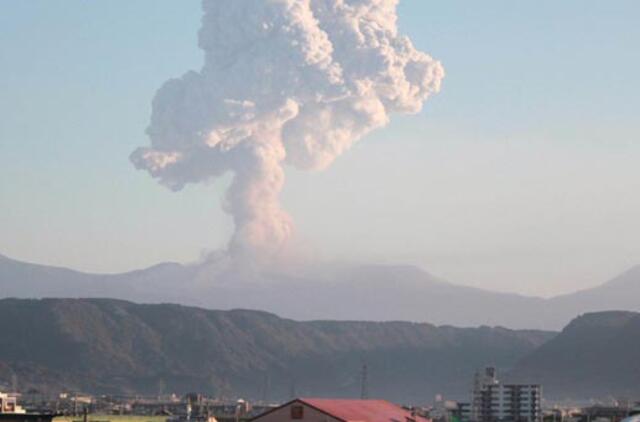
(522, 175)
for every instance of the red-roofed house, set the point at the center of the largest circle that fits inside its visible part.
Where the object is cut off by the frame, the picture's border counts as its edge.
(338, 410)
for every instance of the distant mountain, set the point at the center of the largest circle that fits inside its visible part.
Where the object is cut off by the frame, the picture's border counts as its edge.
(621, 293)
(112, 346)
(596, 355)
(25, 280)
(342, 292)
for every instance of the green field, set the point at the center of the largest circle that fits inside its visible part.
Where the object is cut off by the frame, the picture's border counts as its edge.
(111, 418)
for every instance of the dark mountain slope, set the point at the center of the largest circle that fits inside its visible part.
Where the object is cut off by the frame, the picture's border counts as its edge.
(116, 346)
(596, 355)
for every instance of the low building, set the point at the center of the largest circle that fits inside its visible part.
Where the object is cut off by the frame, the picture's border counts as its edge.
(604, 413)
(10, 411)
(339, 410)
(9, 404)
(460, 412)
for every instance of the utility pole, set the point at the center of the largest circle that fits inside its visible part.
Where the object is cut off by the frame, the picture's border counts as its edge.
(14, 382)
(292, 389)
(265, 388)
(364, 382)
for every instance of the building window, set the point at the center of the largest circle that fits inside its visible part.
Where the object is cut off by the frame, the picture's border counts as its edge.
(297, 412)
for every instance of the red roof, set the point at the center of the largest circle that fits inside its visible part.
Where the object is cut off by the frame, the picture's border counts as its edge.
(363, 410)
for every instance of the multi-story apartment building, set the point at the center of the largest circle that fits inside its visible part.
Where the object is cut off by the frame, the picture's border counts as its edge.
(493, 401)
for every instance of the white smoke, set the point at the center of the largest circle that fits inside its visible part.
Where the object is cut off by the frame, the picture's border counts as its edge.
(284, 81)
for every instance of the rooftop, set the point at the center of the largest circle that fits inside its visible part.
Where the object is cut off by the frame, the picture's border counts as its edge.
(362, 410)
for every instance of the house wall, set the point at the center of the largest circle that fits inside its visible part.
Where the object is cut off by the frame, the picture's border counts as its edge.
(284, 415)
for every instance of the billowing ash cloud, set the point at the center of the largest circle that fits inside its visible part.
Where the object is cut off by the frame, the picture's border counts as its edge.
(284, 81)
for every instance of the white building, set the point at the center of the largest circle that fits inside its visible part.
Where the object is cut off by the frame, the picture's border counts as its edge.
(493, 401)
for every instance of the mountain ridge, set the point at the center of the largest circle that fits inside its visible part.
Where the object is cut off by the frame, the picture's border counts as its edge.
(596, 355)
(108, 346)
(341, 292)
(117, 346)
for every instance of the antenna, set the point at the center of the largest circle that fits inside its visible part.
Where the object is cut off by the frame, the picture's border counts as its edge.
(292, 388)
(364, 382)
(14, 382)
(265, 388)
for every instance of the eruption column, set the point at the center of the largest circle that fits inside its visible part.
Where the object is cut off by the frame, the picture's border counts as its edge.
(284, 81)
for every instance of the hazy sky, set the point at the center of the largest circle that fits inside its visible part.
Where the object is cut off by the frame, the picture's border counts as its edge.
(521, 175)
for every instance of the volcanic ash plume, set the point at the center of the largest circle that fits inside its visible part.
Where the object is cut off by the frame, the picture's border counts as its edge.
(284, 81)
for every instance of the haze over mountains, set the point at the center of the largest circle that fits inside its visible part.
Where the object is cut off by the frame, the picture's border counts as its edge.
(340, 292)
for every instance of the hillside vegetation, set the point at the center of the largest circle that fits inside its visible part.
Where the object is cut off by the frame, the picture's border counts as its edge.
(113, 346)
